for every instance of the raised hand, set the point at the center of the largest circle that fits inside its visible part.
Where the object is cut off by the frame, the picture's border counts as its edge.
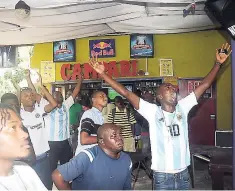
(98, 67)
(221, 56)
(40, 79)
(27, 73)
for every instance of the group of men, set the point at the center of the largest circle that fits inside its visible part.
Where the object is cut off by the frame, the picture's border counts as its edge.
(99, 162)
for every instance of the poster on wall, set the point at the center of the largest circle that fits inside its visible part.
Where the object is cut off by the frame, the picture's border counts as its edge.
(48, 71)
(141, 45)
(103, 48)
(166, 67)
(193, 84)
(64, 51)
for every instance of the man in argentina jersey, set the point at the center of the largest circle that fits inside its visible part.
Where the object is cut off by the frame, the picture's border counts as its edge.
(57, 123)
(168, 124)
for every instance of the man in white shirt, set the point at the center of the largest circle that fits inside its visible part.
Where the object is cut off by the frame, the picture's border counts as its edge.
(14, 145)
(168, 125)
(91, 120)
(57, 124)
(32, 115)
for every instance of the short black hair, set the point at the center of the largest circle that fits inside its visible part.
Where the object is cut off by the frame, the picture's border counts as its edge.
(118, 99)
(94, 94)
(5, 114)
(8, 96)
(85, 101)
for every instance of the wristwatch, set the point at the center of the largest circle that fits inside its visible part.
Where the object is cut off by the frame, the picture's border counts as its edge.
(218, 63)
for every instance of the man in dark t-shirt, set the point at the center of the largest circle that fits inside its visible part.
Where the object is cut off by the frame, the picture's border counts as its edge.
(102, 167)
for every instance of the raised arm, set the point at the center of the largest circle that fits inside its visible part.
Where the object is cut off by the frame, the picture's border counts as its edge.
(52, 103)
(31, 86)
(77, 88)
(221, 57)
(100, 69)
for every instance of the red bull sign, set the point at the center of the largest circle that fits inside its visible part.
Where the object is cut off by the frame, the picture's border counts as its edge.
(115, 69)
(102, 48)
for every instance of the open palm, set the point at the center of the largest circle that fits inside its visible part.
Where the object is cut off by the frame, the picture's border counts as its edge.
(221, 57)
(98, 67)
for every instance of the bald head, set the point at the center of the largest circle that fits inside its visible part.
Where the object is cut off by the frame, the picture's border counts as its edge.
(109, 137)
(105, 129)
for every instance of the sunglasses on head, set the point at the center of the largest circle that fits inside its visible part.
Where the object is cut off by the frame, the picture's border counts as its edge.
(25, 88)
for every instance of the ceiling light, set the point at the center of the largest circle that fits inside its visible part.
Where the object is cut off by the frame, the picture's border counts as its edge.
(22, 10)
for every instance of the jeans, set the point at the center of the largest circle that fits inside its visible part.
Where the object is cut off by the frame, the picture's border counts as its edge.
(168, 181)
(43, 170)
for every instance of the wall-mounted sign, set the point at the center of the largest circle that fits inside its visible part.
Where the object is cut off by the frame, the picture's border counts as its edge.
(102, 48)
(166, 67)
(64, 51)
(141, 45)
(193, 84)
(124, 68)
(47, 71)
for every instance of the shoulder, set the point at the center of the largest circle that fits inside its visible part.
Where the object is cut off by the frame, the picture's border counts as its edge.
(88, 113)
(125, 157)
(23, 167)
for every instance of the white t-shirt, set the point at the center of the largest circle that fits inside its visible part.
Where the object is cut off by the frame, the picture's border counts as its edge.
(34, 122)
(91, 120)
(23, 178)
(169, 134)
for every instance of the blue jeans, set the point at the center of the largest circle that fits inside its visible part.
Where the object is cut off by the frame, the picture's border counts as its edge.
(43, 170)
(168, 181)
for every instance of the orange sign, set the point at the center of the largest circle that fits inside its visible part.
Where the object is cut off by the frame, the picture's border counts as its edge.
(123, 68)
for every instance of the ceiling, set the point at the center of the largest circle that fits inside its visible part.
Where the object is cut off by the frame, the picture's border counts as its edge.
(52, 20)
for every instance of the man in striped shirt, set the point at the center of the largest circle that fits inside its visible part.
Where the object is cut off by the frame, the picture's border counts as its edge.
(168, 125)
(122, 117)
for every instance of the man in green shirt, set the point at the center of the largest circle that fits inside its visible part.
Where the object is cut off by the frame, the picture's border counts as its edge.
(74, 110)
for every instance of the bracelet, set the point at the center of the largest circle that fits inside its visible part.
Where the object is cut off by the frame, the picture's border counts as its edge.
(218, 63)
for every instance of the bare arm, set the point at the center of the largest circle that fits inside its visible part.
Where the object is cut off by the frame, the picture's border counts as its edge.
(59, 181)
(77, 88)
(31, 85)
(210, 77)
(99, 68)
(86, 139)
(52, 103)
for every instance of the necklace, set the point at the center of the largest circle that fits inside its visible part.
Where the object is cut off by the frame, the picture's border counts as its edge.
(18, 177)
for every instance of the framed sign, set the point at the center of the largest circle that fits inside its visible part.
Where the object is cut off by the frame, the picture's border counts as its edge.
(47, 71)
(102, 48)
(141, 45)
(166, 67)
(64, 51)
